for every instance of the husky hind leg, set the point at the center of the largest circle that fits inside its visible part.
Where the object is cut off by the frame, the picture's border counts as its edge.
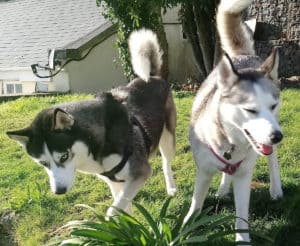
(224, 187)
(167, 146)
(167, 150)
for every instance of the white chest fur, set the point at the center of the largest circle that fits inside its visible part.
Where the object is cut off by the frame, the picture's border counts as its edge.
(85, 162)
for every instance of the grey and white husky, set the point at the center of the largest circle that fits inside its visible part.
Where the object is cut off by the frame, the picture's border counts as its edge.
(234, 116)
(112, 135)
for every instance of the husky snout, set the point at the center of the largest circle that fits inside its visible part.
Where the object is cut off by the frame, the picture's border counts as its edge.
(61, 178)
(276, 137)
(263, 134)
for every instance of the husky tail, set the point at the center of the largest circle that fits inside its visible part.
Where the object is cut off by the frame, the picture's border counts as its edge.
(235, 38)
(146, 55)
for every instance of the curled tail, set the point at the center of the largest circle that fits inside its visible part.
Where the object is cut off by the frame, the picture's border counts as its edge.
(146, 55)
(234, 35)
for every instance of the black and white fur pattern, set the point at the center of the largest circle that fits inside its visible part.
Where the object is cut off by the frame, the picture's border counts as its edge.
(235, 112)
(125, 125)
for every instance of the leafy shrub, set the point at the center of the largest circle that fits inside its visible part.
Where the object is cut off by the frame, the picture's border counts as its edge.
(123, 229)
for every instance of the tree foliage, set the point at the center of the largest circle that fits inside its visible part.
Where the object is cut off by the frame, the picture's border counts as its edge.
(130, 15)
(198, 22)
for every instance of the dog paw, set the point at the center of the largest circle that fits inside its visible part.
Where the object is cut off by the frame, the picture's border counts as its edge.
(242, 238)
(276, 193)
(171, 191)
(111, 212)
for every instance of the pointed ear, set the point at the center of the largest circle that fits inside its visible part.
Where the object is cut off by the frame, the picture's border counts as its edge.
(270, 65)
(228, 75)
(62, 120)
(21, 136)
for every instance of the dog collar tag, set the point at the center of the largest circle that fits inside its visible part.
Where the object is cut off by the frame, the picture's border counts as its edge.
(227, 155)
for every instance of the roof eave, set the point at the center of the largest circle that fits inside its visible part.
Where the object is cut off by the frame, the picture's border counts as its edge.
(74, 49)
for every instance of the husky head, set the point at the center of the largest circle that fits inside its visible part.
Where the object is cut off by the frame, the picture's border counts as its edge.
(48, 141)
(250, 102)
(74, 136)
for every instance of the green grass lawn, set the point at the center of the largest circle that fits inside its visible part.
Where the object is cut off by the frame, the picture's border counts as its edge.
(24, 187)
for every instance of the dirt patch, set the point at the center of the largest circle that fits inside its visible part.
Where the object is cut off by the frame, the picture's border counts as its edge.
(291, 82)
(7, 237)
(256, 184)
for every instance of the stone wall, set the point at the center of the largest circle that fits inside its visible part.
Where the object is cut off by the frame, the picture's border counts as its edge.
(278, 24)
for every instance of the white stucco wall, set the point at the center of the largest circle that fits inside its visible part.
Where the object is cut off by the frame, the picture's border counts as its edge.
(98, 71)
(28, 80)
(181, 59)
(60, 82)
(23, 76)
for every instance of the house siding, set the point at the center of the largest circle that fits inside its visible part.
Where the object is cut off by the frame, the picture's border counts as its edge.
(99, 71)
(28, 80)
(14, 76)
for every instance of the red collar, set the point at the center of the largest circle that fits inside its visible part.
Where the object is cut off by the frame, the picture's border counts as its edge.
(229, 167)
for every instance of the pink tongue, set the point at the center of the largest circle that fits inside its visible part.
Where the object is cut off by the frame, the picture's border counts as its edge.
(266, 149)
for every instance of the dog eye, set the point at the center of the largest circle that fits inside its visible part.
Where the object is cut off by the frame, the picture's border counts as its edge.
(44, 163)
(273, 106)
(64, 157)
(252, 111)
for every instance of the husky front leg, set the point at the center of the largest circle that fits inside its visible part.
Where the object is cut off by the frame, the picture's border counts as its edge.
(126, 194)
(116, 188)
(275, 182)
(241, 190)
(202, 183)
(224, 185)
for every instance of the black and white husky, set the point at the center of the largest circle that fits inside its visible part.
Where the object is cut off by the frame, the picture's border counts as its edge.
(112, 135)
(234, 116)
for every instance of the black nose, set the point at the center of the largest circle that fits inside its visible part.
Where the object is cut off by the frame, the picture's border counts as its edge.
(60, 190)
(276, 137)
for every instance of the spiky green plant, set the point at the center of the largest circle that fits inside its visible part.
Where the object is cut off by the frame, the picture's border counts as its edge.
(123, 229)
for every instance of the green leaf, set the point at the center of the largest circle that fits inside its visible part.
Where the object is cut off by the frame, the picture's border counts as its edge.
(179, 220)
(99, 216)
(196, 239)
(133, 221)
(242, 243)
(101, 236)
(165, 231)
(72, 241)
(262, 236)
(220, 220)
(164, 208)
(150, 220)
(199, 220)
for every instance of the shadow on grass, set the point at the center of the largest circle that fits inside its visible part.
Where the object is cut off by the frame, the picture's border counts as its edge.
(278, 219)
